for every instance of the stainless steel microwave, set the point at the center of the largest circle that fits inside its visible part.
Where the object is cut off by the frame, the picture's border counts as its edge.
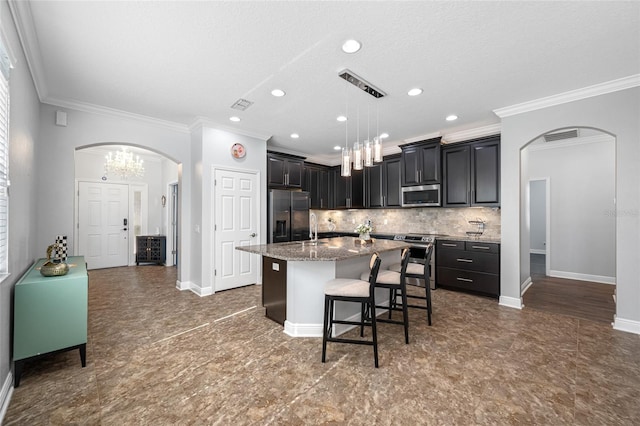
(421, 196)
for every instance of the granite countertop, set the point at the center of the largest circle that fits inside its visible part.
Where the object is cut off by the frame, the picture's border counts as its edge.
(478, 239)
(338, 248)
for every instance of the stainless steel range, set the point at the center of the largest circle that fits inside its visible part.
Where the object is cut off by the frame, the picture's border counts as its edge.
(418, 243)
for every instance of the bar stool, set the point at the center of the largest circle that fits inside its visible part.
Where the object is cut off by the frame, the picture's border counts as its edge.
(418, 270)
(351, 290)
(395, 281)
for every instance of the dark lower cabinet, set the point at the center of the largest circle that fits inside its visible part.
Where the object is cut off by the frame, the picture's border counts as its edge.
(468, 265)
(151, 249)
(274, 288)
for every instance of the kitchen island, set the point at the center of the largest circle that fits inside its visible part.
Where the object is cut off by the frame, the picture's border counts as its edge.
(294, 274)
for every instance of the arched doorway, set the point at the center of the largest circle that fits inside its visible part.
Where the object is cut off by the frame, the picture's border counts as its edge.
(571, 240)
(149, 200)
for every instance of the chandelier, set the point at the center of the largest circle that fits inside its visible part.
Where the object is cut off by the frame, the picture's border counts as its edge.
(370, 151)
(123, 164)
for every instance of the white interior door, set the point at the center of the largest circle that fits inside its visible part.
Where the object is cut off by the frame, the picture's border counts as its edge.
(236, 205)
(103, 210)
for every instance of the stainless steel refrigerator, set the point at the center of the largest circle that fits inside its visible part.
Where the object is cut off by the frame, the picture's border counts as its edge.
(288, 216)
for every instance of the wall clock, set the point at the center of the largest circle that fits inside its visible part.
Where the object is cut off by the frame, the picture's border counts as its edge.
(237, 150)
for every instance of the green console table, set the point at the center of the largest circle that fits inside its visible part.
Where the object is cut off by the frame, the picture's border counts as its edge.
(50, 314)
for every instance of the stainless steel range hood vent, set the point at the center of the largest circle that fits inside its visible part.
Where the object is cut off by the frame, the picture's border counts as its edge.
(361, 83)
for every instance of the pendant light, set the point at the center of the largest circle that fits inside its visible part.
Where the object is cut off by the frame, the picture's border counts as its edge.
(357, 146)
(345, 159)
(368, 146)
(377, 143)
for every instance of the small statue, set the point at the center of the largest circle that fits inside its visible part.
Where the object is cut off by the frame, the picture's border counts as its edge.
(53, 267)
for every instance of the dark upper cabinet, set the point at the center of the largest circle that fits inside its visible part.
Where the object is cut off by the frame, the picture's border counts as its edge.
(471, 173)
(284, 170)
(317, 183)
(348, 191)
(485, 173)
(382, 184)
(421, 163)
(392, 169)
(456, 176)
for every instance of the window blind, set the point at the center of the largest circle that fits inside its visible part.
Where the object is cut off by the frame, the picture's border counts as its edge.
(4, 172)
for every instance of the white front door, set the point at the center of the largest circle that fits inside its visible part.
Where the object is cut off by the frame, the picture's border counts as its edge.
(103, 210)
(236, 205)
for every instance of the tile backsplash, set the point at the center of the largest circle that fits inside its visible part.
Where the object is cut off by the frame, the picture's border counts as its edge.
(449, 221)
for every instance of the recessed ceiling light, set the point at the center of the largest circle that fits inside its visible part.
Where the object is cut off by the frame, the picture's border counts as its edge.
(451, 117)
(278, 93)
(234, 118)
(351, 46)
(414, 92)
(337, 147)
(341, 118)
(295, 135)
(384, 135)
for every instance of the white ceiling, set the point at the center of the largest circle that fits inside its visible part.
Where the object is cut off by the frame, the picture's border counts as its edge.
(182, 61)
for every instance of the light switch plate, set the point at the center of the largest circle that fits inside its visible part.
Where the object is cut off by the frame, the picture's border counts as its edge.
(275, 266)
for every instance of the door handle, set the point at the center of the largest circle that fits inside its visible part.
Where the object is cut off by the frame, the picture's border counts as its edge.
(253, 234)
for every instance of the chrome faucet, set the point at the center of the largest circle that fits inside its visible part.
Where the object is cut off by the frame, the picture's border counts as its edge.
(313, 228)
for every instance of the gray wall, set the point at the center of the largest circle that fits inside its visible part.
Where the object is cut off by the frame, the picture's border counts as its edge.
(582, 192)
(538, 213)
(24, 125)
(616, 113)
(55, 162)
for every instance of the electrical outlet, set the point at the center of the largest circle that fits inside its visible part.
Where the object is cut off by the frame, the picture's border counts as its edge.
(353, 221)
(384, 221)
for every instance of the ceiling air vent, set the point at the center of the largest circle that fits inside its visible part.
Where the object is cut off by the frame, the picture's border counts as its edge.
(360, 83)
(241, 104)
(567, 134)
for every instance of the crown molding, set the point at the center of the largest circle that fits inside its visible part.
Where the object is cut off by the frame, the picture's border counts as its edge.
(478, 132)
(421, 138)
(23, 20)
(112, 112)
(573, 95)
(201, 122)
(543, 146)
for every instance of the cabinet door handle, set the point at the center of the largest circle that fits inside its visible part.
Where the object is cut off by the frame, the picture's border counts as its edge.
(466, 280)
(481, 247)
(449, 245)
(465, 260)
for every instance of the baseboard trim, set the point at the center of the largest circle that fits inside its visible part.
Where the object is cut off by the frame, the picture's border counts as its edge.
(583, 277)
(315, 330)
(510, 302)
(525, 286)
(302, 330)
(630, 326)
(201, 291)
(5, 395)
(537, 251)
(183, 285)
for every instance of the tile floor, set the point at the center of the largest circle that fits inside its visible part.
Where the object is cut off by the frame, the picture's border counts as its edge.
(159, 356)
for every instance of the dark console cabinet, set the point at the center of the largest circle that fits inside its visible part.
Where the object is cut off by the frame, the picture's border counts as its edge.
(468, 265)
(151, 249)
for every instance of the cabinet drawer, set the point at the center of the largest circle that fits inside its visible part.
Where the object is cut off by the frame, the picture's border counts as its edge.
(469, 280)
(468, 260)
(482, 247)
(445, 244)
